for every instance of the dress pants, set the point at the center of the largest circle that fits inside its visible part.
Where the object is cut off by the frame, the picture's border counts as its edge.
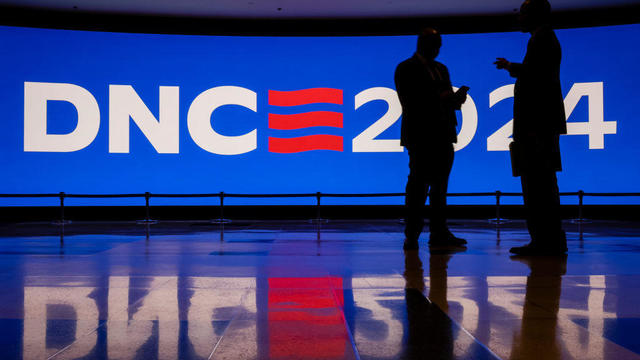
(429, 170)
(542, 207)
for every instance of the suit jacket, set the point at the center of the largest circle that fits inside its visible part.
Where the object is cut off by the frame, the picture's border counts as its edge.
(538, 109)
(427, 120)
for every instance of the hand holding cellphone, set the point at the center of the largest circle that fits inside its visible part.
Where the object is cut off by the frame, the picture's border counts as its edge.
(462, 94)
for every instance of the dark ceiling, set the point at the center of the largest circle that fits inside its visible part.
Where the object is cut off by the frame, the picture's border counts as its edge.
(286, 9)
(302, 16)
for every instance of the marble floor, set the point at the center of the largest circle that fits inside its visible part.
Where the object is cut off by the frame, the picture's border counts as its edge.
(295, 290)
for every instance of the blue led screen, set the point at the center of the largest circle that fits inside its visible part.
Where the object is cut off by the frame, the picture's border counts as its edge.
(94, 112)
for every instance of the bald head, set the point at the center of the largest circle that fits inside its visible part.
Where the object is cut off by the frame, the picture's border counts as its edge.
(534, 13)
(429, 42)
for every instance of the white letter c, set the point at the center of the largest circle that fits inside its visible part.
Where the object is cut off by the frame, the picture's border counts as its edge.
(199, 120)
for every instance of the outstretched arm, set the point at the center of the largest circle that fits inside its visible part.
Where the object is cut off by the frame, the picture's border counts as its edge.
(514, 69)
(542, 59)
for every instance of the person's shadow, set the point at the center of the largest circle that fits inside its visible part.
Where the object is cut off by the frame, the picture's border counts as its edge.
(539, 331)
(428, 330)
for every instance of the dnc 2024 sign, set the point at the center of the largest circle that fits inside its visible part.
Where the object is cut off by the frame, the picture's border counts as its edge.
(92, 112)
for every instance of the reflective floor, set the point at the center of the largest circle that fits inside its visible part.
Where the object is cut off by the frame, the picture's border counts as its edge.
(294, 290)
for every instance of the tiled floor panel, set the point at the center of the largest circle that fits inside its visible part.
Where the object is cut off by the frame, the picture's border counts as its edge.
(294, 290)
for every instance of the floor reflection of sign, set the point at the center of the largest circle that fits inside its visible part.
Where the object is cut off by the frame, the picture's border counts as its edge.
(306, 319)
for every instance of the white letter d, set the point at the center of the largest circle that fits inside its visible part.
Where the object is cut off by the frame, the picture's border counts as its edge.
(36, 95)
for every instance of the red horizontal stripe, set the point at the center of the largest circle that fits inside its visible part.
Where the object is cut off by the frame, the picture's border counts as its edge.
(305, 120)
(305, 283)
(308, 345)
(305, 143)
(305, 96)
(330, 315)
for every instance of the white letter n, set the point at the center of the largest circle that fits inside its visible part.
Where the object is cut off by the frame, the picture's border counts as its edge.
(163, 134)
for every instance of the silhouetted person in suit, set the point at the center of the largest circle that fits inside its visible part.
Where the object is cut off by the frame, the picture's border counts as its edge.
(428, 132)
(538, 121)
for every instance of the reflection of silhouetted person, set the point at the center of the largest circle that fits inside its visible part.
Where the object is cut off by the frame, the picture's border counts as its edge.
(428, 132)
(438, 264)
(544, 285)
(429, 331)
(539, 119)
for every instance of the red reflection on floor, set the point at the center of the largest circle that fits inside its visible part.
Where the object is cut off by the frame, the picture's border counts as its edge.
(306, 318)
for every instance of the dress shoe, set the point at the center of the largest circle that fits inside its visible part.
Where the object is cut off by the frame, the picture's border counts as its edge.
(538, 250)
(445, 239)
(555, 265)
(446, 249)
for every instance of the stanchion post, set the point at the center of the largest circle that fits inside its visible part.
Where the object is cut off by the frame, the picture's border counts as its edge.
(580, 203)
(498, 220)
(318, 219)
(221, 205)
(147, 206)
(221, 220)
(580, 219)
(498, 194)
(62, 208)
(61, 221)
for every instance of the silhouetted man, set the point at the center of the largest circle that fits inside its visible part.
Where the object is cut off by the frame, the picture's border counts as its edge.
(538, 121)
(428, 132)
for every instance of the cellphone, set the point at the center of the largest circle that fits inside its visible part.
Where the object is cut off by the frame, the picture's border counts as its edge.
(464, 88)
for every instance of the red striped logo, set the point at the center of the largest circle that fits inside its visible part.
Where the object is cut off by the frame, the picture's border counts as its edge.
(305, 143)
(309, 310)
(305, 120)
(305, 97)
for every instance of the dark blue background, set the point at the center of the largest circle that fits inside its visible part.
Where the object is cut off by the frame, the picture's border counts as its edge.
(94, 60)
